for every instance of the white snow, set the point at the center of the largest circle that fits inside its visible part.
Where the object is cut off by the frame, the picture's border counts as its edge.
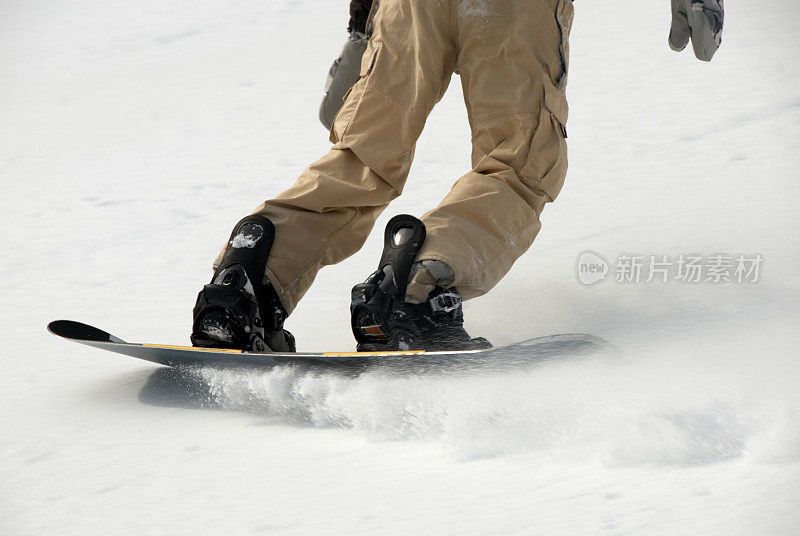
(242, 240)
(151, 120)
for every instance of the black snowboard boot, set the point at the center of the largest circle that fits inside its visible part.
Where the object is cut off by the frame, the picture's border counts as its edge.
(237, 309)
(437, 324)
(381, 318)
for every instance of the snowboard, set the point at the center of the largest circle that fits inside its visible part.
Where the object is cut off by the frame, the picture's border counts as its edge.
(541, 348)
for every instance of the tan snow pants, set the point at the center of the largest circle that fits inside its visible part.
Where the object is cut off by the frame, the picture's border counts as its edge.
(512, 57)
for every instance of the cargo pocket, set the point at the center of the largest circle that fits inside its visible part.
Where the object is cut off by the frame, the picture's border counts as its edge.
(546, 166)
(352, 98)
(565, 13)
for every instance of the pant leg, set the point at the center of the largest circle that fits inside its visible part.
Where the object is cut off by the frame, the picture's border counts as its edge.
(513, 61)
(327, 214)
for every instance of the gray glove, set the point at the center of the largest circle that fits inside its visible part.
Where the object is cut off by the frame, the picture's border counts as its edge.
(345, 71)
(700, 20)
(343, 74)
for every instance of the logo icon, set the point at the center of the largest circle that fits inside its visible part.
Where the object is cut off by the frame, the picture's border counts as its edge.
(592, 268)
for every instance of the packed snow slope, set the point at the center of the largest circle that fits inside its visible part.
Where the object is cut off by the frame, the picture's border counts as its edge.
(133, 135)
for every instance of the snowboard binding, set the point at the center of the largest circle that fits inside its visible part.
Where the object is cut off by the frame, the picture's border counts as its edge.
(372, 302)
(237, 309)
(381, 319)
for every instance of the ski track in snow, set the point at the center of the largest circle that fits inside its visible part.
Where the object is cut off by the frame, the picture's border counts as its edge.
(133, 136)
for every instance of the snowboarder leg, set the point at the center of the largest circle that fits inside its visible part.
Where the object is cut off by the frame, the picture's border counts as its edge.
(517, 109)
(330, 210)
